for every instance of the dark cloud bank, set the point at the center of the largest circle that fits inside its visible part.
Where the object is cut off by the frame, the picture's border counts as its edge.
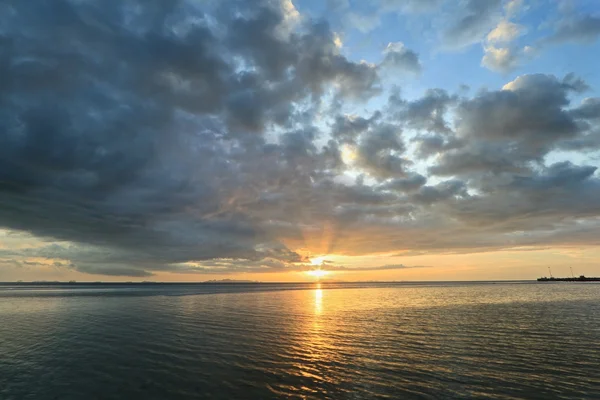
(199, 137)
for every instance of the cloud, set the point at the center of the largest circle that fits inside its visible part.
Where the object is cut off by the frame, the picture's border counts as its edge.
(589, 109)
(386, 267)
(576, 28)
(431, 145)
(500, 54)
(547, 196)
(397, 56)
(158, 131)
(515, 7)
(411, 6)
(187, 138)
(505, 32)
(362, 22)
(409, 184)
(349, 127)
(500, 59)
(118, 270)
(440, 192)
(379, 152)
(476, 20)
(528, 111)
(506, 130)
(427, 113)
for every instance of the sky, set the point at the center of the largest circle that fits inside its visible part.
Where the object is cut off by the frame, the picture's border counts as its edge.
(189, 140)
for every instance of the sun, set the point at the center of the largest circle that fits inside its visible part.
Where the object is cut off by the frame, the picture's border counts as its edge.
(348, 154)
(317, 261)
(317, 273)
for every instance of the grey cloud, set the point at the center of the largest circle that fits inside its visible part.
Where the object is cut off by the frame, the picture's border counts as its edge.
(191, 139)
(589, 109)
(361, 195)
(505, 130)
(440, 192)
(409, 184)
(576, 28)
(430, 145)
(427, 113)
(337, 5)
(117, 270)
(398, 57)
(528, 109)
(561, 174)
(320, 62)
(411, 6)
(348, 128)
(559, 193)
(312, 57)
(574, 83)
(481, 157)
(590, 141)
(477, 19)
(131, 133)
(385, 267)
(231, 266)
(379, 152)
(587, 114)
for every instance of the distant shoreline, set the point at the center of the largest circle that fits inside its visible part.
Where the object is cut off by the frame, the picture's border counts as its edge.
(238, 282)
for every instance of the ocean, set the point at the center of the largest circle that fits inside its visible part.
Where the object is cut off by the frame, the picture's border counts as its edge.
(499, 340)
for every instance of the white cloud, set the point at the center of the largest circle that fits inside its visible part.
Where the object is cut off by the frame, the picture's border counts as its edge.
(515, 7)
(499, 59)
(505, 32)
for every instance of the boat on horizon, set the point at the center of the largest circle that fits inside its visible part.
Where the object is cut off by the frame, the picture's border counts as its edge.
(580, 278)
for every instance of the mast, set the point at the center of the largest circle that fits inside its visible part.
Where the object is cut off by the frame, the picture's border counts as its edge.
(550, 271)
(572, 274)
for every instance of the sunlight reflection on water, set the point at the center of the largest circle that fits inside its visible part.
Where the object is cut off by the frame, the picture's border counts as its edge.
(318, 299)
(437, 341)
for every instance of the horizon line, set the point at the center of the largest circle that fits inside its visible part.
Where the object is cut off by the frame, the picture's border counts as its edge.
(255, 282)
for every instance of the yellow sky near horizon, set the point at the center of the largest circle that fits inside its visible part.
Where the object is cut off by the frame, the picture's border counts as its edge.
(493, 265)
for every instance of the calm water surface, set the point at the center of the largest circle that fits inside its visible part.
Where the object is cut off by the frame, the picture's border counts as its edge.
(396, 341)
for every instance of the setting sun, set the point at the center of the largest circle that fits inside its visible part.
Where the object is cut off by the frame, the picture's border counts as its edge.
(317, 273)
(317, 261)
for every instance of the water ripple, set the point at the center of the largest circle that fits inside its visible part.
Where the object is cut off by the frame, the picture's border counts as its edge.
(385, 342)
